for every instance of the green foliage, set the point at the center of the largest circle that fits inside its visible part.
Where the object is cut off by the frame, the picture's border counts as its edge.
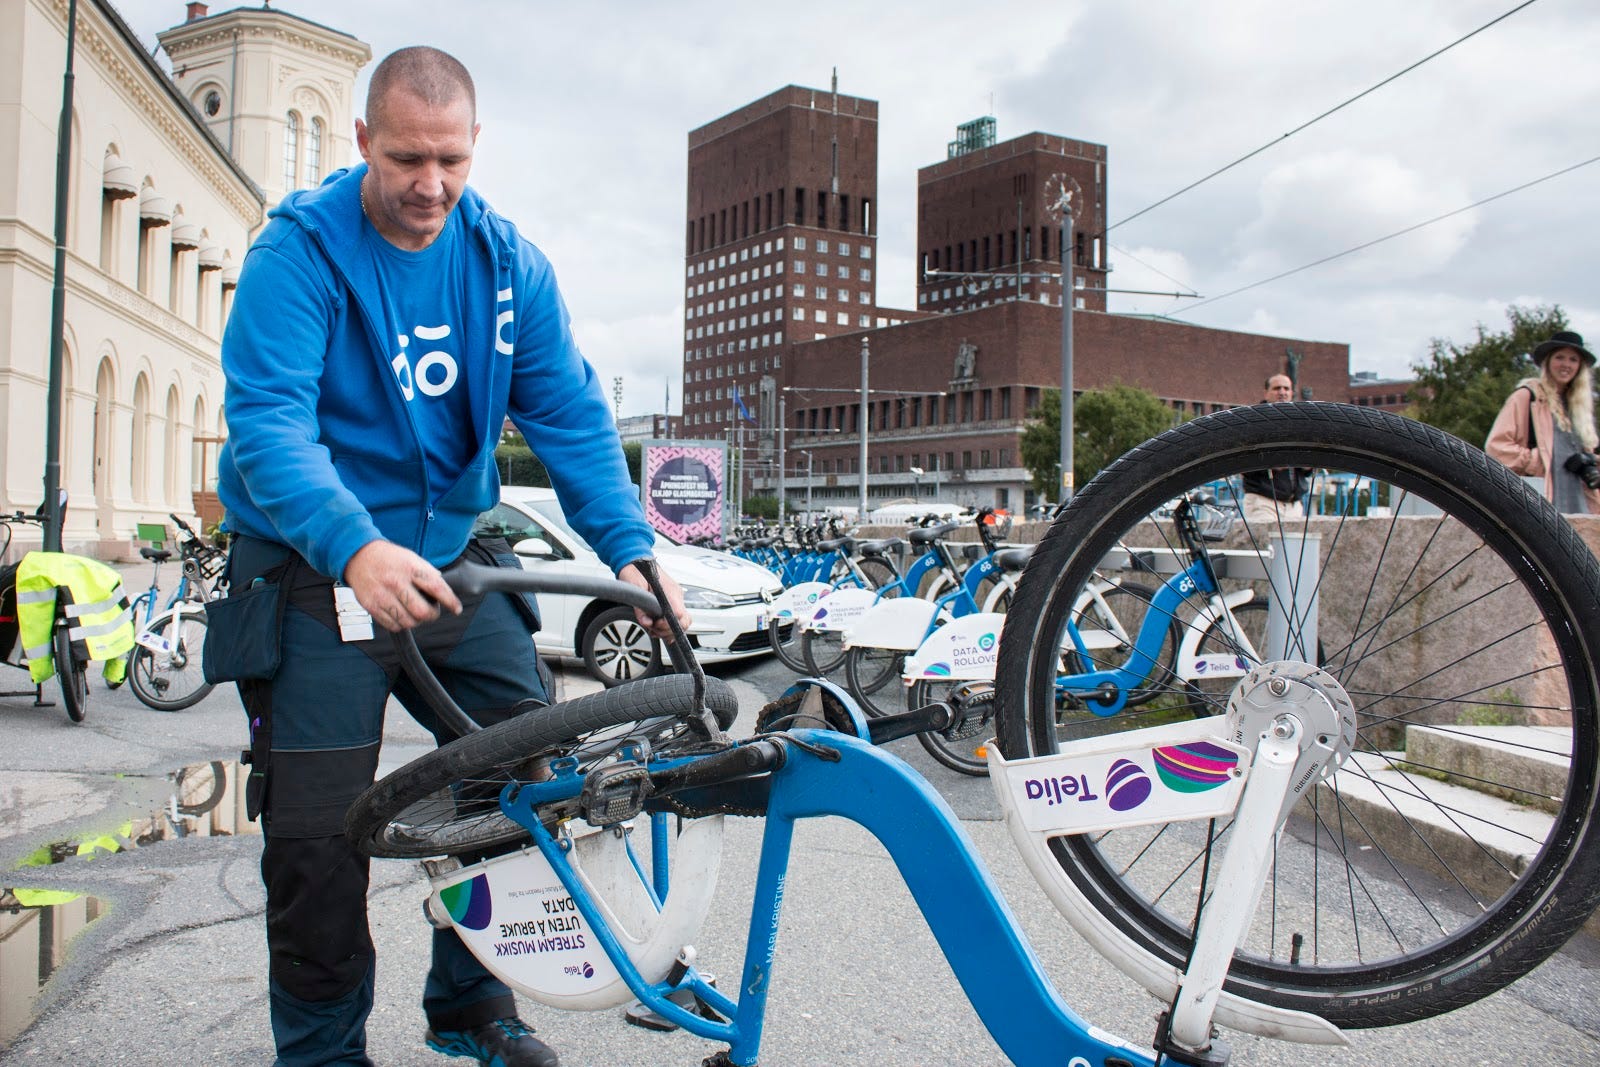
(1105, 424)
(761, 507)
(519, 466)
(1461, 388)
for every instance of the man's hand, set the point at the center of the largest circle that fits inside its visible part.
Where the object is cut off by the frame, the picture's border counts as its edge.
(658, 625)
(398, 588)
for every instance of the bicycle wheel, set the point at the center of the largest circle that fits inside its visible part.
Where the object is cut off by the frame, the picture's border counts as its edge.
(823, 650)
(199, 787)
(174, 680)
(785, 637)
(873, 678)
(1114, 614)
(964, 745)
(72, 673)
(448, 801)
(1463, 599)
(881, 573)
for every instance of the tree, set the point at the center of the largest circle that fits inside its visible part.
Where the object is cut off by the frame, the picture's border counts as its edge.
(519, 466)
(1105, 424)
(761, 507)
(1460, 389)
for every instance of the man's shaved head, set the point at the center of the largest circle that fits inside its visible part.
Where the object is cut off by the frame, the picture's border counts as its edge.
(438, 78)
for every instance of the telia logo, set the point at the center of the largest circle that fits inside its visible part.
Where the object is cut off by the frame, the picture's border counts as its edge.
(588, 969)
(986, 642)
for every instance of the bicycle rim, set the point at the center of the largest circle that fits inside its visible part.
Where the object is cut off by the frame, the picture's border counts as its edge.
(823, 650)
(173, 680)
(873, 678)
(448, 801)
(1390, 899)
(785, 635)
(964, 747)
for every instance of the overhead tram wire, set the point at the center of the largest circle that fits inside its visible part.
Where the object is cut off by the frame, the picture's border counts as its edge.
(1386, 237)
(1310, 122)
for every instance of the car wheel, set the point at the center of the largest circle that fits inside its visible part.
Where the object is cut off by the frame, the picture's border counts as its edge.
(617, 649)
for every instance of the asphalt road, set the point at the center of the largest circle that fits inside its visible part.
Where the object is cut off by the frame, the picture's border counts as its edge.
(173, 971)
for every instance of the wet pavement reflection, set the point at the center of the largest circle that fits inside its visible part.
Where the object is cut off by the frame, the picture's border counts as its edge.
(37, 925)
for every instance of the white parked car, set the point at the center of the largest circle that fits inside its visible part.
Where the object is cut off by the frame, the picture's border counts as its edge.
(727, 596)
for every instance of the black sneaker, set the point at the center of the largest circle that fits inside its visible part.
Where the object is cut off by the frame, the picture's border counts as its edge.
(502, 1043)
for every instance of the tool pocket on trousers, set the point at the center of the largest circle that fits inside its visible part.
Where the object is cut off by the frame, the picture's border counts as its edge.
(244, 634)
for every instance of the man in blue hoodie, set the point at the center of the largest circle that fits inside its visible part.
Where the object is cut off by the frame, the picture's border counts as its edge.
(385, 326)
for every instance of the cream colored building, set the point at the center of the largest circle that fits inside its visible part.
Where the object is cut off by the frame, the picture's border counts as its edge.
(170, 180)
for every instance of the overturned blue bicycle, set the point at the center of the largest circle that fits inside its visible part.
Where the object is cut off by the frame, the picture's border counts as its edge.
(1222, 845)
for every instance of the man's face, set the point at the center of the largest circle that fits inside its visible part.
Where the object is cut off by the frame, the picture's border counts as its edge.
(1279, 389)
(418, 157)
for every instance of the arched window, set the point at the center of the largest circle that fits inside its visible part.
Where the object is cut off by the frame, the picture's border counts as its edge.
(314, 155)
(140, 438)
(291, 151)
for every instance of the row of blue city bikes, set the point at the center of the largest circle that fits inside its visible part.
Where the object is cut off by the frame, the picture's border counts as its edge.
(1294, 775)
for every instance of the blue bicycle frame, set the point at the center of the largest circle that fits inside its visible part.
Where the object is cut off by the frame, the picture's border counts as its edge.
(975, 929)
(1197, 577)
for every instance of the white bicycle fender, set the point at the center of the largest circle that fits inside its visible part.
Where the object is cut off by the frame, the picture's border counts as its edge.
(839, 610)
(963, 650)
(898, 623)
(517, 918)
(798, 600)
(1159, 978)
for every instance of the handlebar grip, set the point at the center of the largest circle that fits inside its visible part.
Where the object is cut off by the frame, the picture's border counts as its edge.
(740, 761)
(475, 579)
(181, 524)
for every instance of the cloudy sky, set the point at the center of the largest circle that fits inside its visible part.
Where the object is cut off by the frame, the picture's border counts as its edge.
(586, 110)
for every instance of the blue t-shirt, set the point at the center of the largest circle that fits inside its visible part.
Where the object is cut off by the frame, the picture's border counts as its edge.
(423, 293)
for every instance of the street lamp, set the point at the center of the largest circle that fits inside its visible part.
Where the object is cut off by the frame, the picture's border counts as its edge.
(917, 493)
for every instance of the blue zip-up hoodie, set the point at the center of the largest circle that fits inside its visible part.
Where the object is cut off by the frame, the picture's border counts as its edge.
(323, 454)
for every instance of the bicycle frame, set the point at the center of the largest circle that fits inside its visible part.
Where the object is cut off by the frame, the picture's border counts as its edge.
(970, 920)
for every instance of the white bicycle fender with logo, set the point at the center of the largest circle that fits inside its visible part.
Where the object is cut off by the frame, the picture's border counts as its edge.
(798, 601)
(839, 610)
(522, 924)
(965, 650)
(1181, 771)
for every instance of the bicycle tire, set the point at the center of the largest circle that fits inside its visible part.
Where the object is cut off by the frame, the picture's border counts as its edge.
(964, 746)
(823, 651)
(789, 652)
(1444, 941)
(72, 673)
(881, 573)
(177, 680)
(873, 677)
(447, 801)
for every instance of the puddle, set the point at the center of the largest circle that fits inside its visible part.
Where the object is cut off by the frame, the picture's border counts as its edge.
(37, 925)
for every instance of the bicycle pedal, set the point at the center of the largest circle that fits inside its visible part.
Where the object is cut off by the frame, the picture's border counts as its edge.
(615, 794)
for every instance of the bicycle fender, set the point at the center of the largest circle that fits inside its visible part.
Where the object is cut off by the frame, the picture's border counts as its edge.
(1160, 979)
(840, 609)
(523, 925)
(798, 599)
(901, 623)
(965, 650)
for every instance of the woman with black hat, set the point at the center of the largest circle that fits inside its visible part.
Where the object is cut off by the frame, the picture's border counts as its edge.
(1547, 426)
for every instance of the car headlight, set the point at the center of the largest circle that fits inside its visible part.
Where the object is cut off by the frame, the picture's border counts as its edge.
(697, 597)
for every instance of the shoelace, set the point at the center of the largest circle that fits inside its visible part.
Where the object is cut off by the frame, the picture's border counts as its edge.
(514, 1028)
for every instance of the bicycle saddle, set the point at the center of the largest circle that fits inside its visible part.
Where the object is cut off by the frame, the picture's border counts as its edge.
(158, 555)
(1014, 559)
(879, 547)
(927, 535)
(847, 544)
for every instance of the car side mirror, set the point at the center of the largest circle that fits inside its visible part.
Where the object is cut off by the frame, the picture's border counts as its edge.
(535, 548)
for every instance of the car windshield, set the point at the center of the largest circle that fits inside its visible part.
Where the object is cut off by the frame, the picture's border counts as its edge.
(550, 510)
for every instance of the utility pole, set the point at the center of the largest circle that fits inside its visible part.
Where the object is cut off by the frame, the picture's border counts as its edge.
(863, 421)
(58, 304)
(1068, 295)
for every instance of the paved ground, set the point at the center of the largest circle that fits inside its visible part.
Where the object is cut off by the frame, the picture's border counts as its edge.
(174, 969)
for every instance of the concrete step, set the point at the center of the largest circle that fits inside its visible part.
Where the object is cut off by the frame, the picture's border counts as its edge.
(1446, 829)
(1523, 764)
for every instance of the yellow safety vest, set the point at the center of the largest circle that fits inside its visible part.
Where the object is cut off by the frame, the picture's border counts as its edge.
(100, 622)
